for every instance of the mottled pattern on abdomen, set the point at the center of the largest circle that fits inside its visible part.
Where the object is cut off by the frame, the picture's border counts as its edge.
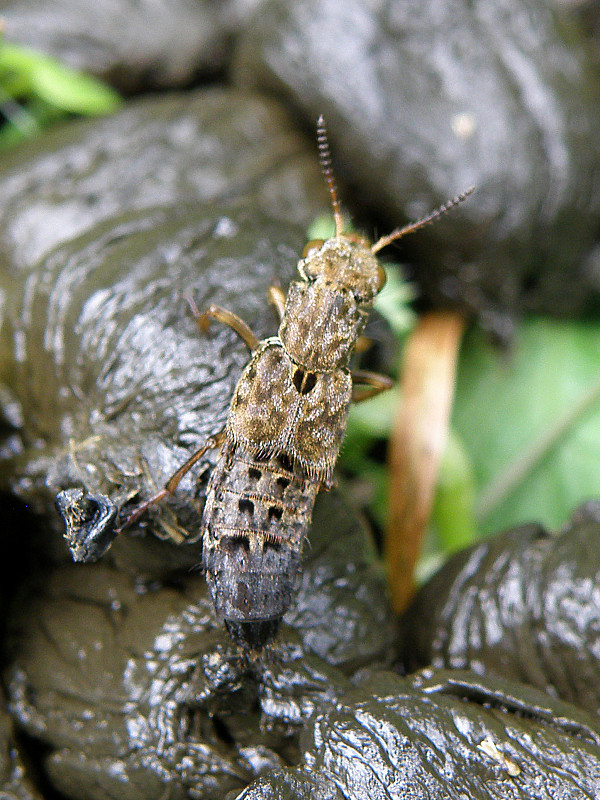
(256, 518)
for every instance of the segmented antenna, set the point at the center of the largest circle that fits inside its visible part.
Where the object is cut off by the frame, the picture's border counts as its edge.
(325, 159)
(420, 223)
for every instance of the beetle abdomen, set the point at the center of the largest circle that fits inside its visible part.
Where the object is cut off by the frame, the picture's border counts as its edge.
(256, 517)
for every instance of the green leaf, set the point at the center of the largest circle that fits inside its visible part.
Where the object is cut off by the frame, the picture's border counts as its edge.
(72, 91)
(453, 515)
(322, 227)
(27, 72)
(17, 60)
(530, 420)
(393, 302)
(368, 422)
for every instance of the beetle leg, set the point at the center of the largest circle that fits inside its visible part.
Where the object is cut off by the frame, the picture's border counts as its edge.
(276, 297)
(228, 318)
(368, 384)
(171, 485)
(363, 343)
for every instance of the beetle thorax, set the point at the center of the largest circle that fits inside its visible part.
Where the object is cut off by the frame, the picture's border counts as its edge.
(321, 325)
(326, 312)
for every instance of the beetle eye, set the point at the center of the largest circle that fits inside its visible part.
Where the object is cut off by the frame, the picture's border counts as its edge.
(381, 277)
(311, 247)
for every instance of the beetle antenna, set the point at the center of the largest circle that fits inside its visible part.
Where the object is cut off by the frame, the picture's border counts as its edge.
(420, 223)
(325, 159)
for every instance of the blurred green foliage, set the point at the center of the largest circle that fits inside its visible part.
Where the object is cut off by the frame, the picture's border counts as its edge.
(524, 442)
(529, 418)
(453, 523)
(36, 90)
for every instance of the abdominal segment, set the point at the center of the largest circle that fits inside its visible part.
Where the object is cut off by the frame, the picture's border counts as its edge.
(256, 518)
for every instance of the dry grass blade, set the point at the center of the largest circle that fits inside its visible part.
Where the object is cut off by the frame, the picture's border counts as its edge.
(417, 443)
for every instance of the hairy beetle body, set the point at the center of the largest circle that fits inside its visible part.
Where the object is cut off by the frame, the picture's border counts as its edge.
(284, 430)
